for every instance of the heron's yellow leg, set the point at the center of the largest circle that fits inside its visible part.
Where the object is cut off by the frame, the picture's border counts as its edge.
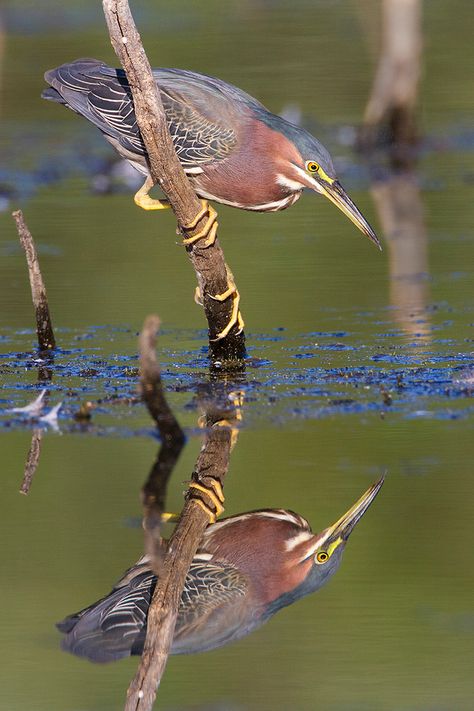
(210, 228)
(143, 200)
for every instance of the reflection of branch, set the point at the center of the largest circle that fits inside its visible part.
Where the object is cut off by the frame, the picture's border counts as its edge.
(212, 272)
(31, 461)
(44, 327)
(172, 439)
(204, 500)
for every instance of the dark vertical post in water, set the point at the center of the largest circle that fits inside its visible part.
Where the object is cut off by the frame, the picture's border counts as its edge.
(390, 112)
(44, 326)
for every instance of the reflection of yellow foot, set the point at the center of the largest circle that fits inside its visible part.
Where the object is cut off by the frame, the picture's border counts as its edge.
(237, 399)
(143, 200)
(169, 517)
(209, 230)
(236, 317)
(216, 497)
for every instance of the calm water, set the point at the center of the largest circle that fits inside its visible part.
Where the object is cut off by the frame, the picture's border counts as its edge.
(353, 372)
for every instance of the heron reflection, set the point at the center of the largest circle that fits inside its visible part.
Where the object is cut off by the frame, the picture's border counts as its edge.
(247, 568)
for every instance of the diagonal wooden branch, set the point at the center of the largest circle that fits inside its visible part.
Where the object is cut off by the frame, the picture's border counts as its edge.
(211, 270)
(172, 568)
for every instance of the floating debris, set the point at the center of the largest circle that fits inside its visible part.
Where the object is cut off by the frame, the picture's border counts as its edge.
(51, 418)
(33, 409)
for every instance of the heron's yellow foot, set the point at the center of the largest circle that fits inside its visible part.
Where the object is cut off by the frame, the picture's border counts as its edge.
(236, 317)
(143, 200)
(209, 230)
(216, 496)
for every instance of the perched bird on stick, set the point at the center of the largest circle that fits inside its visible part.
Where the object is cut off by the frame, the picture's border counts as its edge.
(233, 150)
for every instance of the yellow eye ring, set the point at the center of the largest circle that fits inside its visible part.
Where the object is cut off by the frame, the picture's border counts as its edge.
(312, 166)
(322, 557)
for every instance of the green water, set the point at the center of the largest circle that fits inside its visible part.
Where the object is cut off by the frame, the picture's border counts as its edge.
(394, 629)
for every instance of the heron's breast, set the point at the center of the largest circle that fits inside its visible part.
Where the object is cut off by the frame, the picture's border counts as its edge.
(248, 178)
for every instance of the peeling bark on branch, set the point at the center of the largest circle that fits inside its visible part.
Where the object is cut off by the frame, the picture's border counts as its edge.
(166, 170)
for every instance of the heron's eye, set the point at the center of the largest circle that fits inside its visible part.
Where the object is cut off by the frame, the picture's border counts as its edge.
(312, 167)
(322, 557)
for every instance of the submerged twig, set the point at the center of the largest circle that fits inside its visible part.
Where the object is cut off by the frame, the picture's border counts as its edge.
(32, 460)
(44, 326)
(211, 270)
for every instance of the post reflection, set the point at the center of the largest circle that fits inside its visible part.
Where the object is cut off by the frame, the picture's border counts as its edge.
(246, 568)
(400, 211)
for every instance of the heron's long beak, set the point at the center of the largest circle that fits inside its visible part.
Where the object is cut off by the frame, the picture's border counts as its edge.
(340, 531)
(336, 194)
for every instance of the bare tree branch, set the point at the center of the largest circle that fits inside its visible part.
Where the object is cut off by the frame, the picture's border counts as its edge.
(44, 326)
(212, 273)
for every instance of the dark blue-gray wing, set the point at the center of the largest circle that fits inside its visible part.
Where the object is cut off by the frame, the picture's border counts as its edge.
(198, 112)
(115, 626)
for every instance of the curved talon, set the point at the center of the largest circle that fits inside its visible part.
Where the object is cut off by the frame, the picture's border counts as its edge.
(235, 318)
(199, 216)
(209, 230)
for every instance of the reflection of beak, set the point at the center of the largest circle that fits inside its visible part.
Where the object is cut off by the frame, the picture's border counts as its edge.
(340, 531)
(336, 194)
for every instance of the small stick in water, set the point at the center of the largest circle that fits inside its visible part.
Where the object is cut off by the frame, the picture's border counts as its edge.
(31, 461)
(44, 327)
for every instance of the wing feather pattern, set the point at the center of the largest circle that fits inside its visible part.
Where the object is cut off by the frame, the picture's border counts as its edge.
(195, 111)
(115, 626)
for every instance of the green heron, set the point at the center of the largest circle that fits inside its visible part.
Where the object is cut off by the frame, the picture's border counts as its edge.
(233, 150)
(247, 568)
